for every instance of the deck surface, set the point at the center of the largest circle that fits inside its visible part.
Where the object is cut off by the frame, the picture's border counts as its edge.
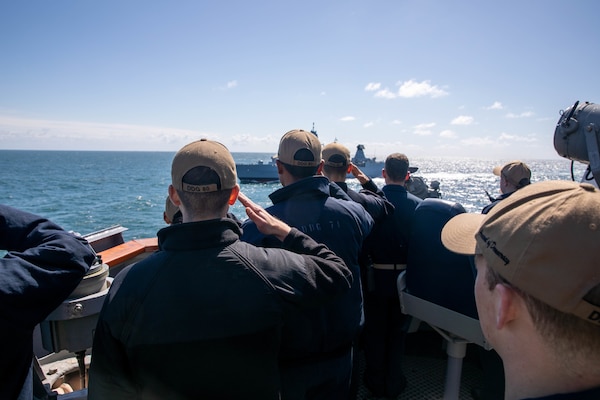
(424, 366)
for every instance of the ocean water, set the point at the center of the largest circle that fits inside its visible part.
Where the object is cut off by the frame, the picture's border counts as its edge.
(85, 191)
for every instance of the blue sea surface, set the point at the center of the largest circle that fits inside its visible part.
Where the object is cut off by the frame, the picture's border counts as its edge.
(85, 191)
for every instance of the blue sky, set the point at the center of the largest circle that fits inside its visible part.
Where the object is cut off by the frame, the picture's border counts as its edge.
(439, 78)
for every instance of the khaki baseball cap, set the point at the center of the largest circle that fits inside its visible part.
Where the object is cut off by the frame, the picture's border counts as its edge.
(336, 155)
(543, 239)
(514, 172)
(204, 153)
(296, 140)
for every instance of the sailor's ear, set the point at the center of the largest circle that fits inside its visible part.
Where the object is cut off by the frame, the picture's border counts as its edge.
(507, 304)
(279, 167)
(235, 191)
(174, 196)
(349, 169)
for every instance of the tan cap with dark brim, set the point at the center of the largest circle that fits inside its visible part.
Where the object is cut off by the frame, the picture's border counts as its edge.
(296, 140)
(516, 172)
(336, 155)
(543, 239)
(204, 153)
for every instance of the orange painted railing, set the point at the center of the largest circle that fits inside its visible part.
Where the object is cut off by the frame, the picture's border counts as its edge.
(125, 251)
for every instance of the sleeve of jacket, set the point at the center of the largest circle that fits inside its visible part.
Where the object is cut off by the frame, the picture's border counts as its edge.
(372, 187)
(251, 234)
(385, 208)
(337, 192)
(43, 265)
(307, 273)
(376, 205)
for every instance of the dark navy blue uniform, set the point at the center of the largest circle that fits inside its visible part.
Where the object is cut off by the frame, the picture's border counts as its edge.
(371, 198)
(374, 202)
(202, 317)
(43, 266)
(383, 334)
(316, 353)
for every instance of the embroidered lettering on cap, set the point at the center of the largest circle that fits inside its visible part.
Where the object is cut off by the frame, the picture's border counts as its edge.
(300, 163)
(200, 188)
(492, 245)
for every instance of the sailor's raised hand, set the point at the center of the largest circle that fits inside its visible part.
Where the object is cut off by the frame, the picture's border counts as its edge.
(265, 222)
(358, 174)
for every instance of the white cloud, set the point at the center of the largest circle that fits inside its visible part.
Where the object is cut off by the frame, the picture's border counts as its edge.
(38, 134)
(347, 118)
(424, 129)
(386, 94)
(372, 86)
(254, 142)
(448, 134)
(503, 141)
(231, 84)
(496, 106)
(463, 120)
(522, 115)
(514, 138)
(60, 134)
(478, 141)
(408, 89)
(412, 88)
(396, 122)
(368, 124)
